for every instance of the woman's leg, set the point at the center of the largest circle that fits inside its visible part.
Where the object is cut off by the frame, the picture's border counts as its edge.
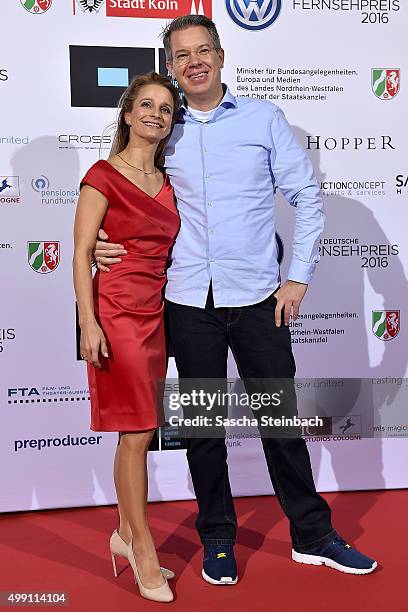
(124, 528)
(131, 489)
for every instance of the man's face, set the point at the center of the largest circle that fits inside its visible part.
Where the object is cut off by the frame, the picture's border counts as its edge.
(195, 64)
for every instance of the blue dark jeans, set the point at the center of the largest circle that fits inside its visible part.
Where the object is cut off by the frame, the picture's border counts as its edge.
(200, 338)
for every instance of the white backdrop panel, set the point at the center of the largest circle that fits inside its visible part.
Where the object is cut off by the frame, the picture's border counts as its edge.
(358, 144)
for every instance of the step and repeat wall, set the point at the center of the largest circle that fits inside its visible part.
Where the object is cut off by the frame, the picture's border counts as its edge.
(338, 69)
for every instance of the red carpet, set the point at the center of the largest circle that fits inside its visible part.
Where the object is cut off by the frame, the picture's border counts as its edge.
(66, 550)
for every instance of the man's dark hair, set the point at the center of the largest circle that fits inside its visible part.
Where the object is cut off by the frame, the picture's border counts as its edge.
(187, 21)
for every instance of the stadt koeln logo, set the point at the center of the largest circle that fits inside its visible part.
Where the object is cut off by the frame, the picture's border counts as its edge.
(90, 6)
(43, 257)
(385, 82)
(385, 324)
(160, 9)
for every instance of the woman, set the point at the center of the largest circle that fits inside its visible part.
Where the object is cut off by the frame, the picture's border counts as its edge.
(121, 313)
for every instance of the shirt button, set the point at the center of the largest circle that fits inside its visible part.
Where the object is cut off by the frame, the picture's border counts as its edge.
(205, 150)
(209, 203)
(212, 260)
(210, 231)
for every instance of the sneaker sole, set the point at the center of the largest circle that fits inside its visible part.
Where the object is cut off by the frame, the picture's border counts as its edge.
(315, 560)
(224, 580)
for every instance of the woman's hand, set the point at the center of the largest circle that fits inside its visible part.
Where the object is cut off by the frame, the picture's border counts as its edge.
(93, 341)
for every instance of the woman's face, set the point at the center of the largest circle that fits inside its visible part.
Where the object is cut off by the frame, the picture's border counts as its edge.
(152, 113)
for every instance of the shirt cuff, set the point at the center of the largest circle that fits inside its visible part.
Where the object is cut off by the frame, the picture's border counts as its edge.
(301, 271)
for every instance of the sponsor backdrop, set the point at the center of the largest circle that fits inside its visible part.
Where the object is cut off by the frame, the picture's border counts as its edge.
(339, 71)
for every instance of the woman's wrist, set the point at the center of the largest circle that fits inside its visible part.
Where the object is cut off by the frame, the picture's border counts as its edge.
(86, 323)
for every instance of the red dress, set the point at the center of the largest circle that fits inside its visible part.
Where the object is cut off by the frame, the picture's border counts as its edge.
(129, 303)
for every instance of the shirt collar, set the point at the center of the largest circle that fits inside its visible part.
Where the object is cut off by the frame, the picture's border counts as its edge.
(228, 101)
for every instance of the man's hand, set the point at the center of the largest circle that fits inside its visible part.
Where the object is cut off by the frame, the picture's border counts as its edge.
(106, 253)
(289, 296)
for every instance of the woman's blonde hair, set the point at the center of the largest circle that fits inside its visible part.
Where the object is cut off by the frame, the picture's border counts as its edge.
(122, 133)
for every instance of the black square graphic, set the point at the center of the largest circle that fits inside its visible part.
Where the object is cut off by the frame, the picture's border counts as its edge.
(84, 64)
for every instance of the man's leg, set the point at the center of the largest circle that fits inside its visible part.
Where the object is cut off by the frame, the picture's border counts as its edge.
(263, 351)
(200, 345)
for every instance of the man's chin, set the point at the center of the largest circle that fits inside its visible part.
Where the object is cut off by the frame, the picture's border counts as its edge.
(200, 88)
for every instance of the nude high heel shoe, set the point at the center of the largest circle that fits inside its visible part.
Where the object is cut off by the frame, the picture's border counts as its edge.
(119, 548)
(162, 593)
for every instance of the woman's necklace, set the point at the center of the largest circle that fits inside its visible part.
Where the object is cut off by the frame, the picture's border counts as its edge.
(135, 167)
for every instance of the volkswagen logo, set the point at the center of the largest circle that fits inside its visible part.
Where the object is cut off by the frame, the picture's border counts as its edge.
(254, 14)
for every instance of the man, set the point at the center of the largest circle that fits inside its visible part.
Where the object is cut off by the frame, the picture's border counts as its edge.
(226, 157)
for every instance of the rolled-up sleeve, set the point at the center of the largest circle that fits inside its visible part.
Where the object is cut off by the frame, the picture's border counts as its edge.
(294, 176)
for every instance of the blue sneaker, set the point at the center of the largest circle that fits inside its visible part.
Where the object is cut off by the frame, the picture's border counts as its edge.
(336, 554)
(219, 565)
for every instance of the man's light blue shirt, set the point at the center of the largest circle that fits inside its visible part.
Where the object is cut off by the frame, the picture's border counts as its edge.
(225, 173)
